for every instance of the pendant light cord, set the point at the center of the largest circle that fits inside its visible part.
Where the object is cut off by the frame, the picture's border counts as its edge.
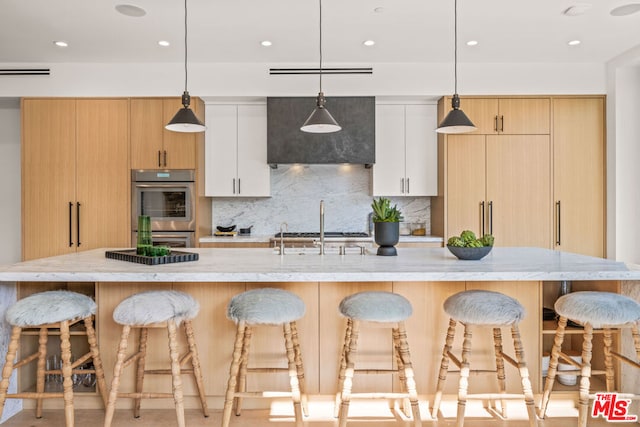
(455, 46)
(185, 45)
(320, 1)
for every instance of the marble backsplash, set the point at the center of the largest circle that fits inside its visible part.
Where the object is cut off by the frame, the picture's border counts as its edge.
(296, 191)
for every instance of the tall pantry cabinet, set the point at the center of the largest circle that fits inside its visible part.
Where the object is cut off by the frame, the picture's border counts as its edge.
(75, 175)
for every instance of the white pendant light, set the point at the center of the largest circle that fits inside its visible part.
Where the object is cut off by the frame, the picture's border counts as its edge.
(185, 119)
(320, 120)
(456, 121)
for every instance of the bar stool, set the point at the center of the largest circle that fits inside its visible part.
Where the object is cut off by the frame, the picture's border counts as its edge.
(381, 308)
(478, 308)
(265, 306)
(604, 310)
(44, 311)
(156, 309)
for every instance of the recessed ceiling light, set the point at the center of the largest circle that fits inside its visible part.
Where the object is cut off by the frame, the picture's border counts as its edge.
(627, 9)
(164, 43)
(266, 43)
(574, 42)
(60, 43)
(368, 42)
(379, 9)
(472, 42)
(131, 10)
(577, 9)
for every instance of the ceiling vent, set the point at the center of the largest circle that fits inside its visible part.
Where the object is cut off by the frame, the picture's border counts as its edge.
(25, 71)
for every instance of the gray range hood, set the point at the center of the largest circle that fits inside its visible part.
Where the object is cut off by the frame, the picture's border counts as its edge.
(355, 143)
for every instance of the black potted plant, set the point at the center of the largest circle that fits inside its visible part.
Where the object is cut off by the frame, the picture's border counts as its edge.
(386, 220)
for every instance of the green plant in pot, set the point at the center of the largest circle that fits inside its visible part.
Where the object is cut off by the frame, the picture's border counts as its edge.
(386, 222)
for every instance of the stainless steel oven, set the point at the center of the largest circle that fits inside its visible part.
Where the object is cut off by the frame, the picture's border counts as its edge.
(174, 239)
(167, 196)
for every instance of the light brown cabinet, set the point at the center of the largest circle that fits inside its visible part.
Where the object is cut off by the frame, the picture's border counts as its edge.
(154, 147)
(578, 175)
(75, 175)
(509, 116)
(500, 184)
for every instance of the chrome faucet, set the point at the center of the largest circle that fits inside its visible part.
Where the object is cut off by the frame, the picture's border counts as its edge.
(321, 227)
(283, 226)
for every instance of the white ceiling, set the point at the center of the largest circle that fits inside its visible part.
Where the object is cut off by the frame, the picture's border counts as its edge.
(231, 31)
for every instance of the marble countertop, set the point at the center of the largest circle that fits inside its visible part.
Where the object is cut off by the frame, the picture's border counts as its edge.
(263, 265)
(266, 238)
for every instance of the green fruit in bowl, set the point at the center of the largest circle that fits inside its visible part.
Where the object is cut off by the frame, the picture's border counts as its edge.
(468, 239)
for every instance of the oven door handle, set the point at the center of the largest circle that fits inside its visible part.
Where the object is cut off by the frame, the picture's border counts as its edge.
(164, 185)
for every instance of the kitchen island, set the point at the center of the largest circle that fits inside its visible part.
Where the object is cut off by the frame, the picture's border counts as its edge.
(425, 276)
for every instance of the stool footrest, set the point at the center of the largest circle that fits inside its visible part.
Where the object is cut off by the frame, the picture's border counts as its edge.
(34, 395)
(265, 394)
(147, 395)
(625, 359)
(378, 395)
(375, 371)
(267, 370)
(166, 371)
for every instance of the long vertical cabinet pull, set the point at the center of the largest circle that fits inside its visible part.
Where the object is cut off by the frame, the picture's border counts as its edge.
(402, 185)
(159, 159)
(501, 123)
(408, 191)
(495, 123)
(70, 224)
(165, 158)
(558, 223)
(234, 186)
(482, 217)
(239, 186)
(491, 217)
(78, 223)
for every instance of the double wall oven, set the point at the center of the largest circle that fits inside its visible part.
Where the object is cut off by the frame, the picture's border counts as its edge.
(168, 197)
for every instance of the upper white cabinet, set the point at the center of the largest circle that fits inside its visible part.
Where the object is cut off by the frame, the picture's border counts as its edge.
(406, 150)
(236, 151)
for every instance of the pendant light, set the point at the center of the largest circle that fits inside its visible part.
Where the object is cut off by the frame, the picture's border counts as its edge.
(320, 120)
(185, 119)
(456, 121)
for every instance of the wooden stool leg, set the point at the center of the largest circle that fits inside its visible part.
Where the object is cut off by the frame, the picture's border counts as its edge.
(463, 385)
(406, 404)
(636, 339)
(67, 382)
(117, 370)
(524, 375)
(343, 367)
(97, 360)
(176, 372)
(410, 384)
(553, 365)
(444, 367)
(242, 373)
(233, 374)
(349, 356)
(608, 359)
(195, 362)
(293, 374)
(140, 366)
(502, 383)
(10, 360)
(300, 368)
(585, 375)
(42, 356)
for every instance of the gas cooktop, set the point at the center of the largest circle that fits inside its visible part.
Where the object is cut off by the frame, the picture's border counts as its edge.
(315, 234)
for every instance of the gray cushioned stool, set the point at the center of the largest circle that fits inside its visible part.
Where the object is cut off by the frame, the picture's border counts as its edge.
(156, 309)
(379, 307)
(265, 306)
(604, 310)
(479, 308)
(44, 311)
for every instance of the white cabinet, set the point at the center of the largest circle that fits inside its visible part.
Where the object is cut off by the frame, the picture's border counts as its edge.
(236, 151)
(406, 150)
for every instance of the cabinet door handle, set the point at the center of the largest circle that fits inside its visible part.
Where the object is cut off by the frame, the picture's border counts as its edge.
(408, 191)
(234, 186)
(491, 217)
(78, 223)
(558, 223)
(239, 191)
(159, 160)
(482, 217)
(402, 185)
(70, 224)
(495, 123)
(501, 123)
(165, 158)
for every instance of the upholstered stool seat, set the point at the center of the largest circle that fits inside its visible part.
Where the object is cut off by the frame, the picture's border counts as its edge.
(52, 310)
(157, 309)
(480, 308)
(605, 310)
(265, 306)
(382, 308)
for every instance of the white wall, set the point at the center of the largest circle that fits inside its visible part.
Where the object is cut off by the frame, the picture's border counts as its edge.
(9, 220)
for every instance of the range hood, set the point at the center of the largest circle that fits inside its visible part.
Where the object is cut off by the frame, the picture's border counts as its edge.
(355, 143)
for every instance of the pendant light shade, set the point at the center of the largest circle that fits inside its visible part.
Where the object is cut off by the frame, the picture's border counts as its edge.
(185, 119)
(456, 121)
(320, 120)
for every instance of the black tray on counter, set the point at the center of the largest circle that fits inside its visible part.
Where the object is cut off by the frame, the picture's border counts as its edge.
(131, 256)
